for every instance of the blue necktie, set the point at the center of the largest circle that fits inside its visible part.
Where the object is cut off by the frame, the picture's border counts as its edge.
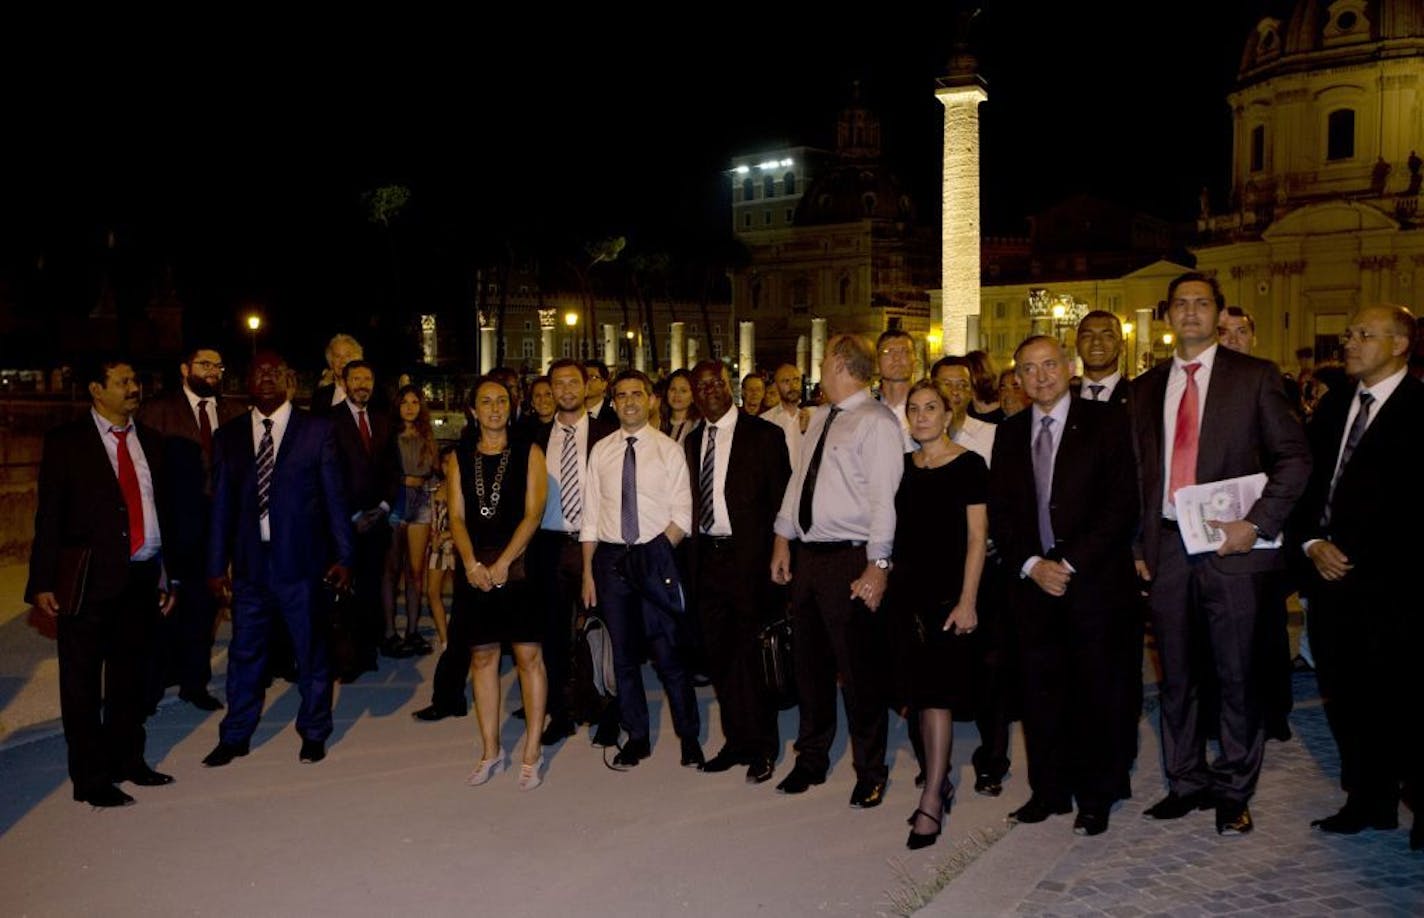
(1043, 481)
(630, 494)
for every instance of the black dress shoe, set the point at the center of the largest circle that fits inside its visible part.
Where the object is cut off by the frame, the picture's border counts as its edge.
(692, 753)
(395, 648)
(147, 777)
(434, 712)
(722, 761)
(1352, 820)
(313, 751)
(202, 700)
(798, 782)
(223, 754)
(1037, 810)
(633, 752)
(1174, 806)
(1090, 822)
(1233, 818)
(759, 771)
(559, 729)
(104, 797)
(417, 646)
(607, 733)
(987, 786)
(867, 794)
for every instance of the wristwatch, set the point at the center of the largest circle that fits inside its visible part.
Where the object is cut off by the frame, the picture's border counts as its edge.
(882, 563)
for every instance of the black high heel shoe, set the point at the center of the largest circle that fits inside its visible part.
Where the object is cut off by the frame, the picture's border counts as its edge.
(916, 841)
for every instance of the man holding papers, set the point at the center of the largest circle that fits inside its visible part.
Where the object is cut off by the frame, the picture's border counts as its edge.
(1208, 415)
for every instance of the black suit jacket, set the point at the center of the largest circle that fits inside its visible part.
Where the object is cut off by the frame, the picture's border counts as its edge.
(321, 400)
(1093, 504)
(1374, 517)
(187, 472)
(370, 477)
(757, 471)
(1247, 426)
(81, 505)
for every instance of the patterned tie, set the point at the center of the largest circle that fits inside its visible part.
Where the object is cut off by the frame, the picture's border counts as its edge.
(705, 478)
(365, 429)
(1043, 481)
(1097, 390)
(629, 496)
(128, 484)
(266, 461)
(205, 429)
(808, 487)
(1184, 439)
(569, 497)
(1352, 440)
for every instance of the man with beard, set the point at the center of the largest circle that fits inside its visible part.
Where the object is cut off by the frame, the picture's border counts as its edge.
(788, 414)
(187, 418)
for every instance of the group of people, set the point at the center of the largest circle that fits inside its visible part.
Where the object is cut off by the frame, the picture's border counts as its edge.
(948, 547)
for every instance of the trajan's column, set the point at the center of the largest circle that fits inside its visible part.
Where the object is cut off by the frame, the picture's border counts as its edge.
(960, 91)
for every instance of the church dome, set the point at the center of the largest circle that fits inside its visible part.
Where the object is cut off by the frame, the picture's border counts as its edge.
(859, 186)
(1309, 34)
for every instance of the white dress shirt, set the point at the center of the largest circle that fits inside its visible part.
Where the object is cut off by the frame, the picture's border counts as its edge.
(280, 417)
(152, 538)
(554, 518)
(664, 495)
(978, 436)
(1176, 385)
(790, 424)
(726, 428)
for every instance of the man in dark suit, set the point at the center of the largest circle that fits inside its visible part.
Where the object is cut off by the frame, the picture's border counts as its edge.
(555, 556)
(369, 466)
(1364, 620)
(738, 469)
(101, 491)
(598, 399)
(1062, 513)
(340, 350)
(187, 419)
(1211, 414)
(279, 519)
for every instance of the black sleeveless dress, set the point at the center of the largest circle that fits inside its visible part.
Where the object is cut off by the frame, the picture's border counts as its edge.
(934, 668)
(499, 615)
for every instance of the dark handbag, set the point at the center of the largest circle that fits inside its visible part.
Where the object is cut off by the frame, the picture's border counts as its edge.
(777, 666)
(73, 578)
(488, 556)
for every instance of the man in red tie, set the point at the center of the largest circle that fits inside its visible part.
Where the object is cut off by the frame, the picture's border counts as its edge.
(96, 564)
(186, 417)
(1206, 415)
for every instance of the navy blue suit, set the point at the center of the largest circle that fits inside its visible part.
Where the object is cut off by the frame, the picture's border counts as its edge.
(310, 530)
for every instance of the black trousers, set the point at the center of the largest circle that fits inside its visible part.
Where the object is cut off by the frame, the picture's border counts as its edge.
(363, 620)
(103, 670)
(184, 648)
(732, 620)
(835, 634)
(452, 668)
(555, 563)
(1200, 613)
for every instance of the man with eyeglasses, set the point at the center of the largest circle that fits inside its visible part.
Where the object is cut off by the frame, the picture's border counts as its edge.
(186, 418)
(1206, 415)
(1364, 621)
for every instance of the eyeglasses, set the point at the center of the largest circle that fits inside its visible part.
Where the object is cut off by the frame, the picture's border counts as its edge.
(1362, 336)
(208, 365)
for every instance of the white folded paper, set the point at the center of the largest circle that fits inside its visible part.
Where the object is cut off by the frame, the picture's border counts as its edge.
(1225, 501)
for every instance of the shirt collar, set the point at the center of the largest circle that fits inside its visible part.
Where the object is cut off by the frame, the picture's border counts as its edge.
(1059, 413)
(727, 422)
(581, 423)
(1206, 358)
(194, 398)
(850, 401)
(1107, 382)
(278, 416)
(105, 426)
(1383, 389)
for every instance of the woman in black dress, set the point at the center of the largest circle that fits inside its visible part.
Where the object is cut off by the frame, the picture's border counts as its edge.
(496, 487)
(941, 530)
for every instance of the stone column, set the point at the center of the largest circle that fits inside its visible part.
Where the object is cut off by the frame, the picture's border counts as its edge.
(487, 349)
(677, 333)
(610, 347)
(803, 346)
(818, 348)
(746, 347)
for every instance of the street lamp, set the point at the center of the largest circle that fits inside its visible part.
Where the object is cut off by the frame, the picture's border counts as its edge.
(254, 322)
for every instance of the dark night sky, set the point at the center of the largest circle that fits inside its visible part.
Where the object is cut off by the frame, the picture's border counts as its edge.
(239, 154)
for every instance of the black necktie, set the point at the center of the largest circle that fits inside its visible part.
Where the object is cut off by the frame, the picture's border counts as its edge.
(1097, 390)
(266, 462)
(628, 522)
(808, 487)
(1352, 440)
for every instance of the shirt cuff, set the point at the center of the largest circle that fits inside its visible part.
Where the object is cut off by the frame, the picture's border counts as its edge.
(1028, 565)
(1309, 542)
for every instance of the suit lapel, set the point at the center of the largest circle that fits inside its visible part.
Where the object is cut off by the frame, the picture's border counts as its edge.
(1216, 409)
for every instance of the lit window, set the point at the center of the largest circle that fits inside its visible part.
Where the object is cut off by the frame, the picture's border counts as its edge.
(527, 349)
(1340, 135)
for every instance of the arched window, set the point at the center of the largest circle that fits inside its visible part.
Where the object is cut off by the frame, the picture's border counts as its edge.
(768, 187)
(1340, 135)
(748, 190)
(788, 183)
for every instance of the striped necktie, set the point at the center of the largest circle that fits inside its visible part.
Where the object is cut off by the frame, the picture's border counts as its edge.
(266, 461)
(705, 479)
(570, 500)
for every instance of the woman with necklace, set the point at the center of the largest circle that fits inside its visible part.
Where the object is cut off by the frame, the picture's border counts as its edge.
(496, 488)
(941, 532)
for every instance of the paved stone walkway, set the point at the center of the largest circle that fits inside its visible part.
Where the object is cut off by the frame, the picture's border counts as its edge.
(1184, 868)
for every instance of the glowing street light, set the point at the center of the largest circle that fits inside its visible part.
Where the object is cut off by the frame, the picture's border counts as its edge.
(254, 323)
(571, 318)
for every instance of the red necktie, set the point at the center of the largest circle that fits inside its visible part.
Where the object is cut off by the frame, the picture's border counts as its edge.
(1184, 441)
(205, 429)
(365, 429)
(128, 484)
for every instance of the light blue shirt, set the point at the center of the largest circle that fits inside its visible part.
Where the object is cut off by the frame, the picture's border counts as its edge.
(152, 538)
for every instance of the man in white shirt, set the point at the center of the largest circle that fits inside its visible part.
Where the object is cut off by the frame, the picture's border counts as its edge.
(952, 378)
(637, 508)
(789, 414)
(895, 351)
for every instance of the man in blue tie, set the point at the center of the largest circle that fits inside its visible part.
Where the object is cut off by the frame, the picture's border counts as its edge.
(280, 520)
(637, 507)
